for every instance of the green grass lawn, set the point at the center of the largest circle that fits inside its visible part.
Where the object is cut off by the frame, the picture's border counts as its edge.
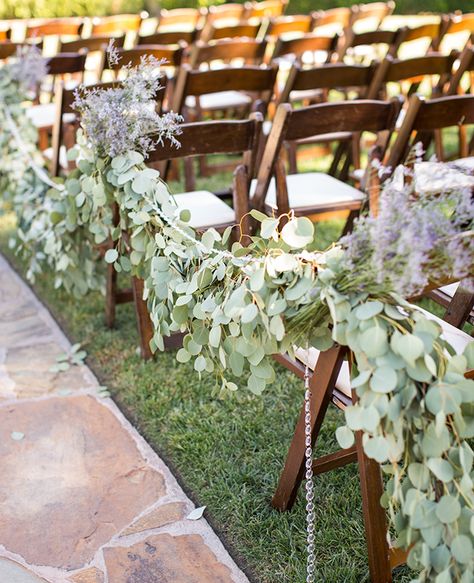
(227, 452)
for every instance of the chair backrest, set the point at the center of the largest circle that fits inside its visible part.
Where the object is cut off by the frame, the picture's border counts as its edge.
(179, 18)
(117, 24)
(312, 121)
(249, 79)
(433, 31)
(377, 11)
(265, 9)
(8, 49)
(66, 63)
(308, 43)
(466, 65)
(172, 54)
(425, 116)
(227, 11)
(54, 27)
(279, 25)
(460, 23)
(330, 76)
(397, 70)
(248, 50)
(243, 29)
(91, 44)
(391, 39)
(168, 37)
(339, 17)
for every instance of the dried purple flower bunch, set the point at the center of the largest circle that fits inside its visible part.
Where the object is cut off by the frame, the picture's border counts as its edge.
(124, 118)
(423, 232)
(27, 70)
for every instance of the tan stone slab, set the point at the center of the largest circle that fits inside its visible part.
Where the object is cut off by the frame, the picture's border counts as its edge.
(30, 330)
(158, 517)
(75, 480)
(28, 368)
(91, 575)
(164, 558)
(13, 572)
(16, 309)
(10, 288)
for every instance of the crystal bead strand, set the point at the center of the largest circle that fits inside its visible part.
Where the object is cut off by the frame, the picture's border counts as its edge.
(309, 486)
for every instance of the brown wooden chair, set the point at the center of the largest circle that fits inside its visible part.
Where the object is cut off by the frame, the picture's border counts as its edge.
(246, 51)
(229, 91)
(207, 210)
(458, 302)
(168, 37)
(374, 12)
(116, 25)
(265, 9)
(314, 193)
(245, 29)
(425, 116)
(60, 27)
(433, 32)
(8, 49)
(311, 44)
(66, 67)
(5, 34)
(363, 46)
(289, 25)
(336, 18)
(179, 19)
(458, 24)
(330, 383)
(225, 12)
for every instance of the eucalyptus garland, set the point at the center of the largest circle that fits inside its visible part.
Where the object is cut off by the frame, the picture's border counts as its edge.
(238, 307)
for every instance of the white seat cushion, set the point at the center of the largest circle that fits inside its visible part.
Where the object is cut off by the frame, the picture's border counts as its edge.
(455, 337)
(450, 289)
(316, 191)
(466, 164)
(63, 161)
(43, 115)
(207, 210)
(220, 100)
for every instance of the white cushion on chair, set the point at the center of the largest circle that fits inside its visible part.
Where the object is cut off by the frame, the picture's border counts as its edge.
(455, 337)
(314, 190)
(220, 100)
(450, 289)
(63, 161)
(207, 210)
(43, 115)
(466, 164)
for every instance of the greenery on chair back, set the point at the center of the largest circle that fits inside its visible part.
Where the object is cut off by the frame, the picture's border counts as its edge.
(415, 408)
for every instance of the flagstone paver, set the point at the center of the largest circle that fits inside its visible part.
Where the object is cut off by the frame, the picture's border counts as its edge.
(83, 498)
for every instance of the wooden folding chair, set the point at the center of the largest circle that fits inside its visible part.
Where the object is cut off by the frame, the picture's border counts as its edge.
(432, 32)
(8, 49)
(363, 46)
(457, 24)
(310, 45)
(61, 27)
(318, 84)
(5, 34)
(233, 90)
(169, 37)
(314, 193)
(246, 51)
(337, 19)
(289, 25)
(116, 25)
(244, 29)
(265, 9)
(207, 210)
(227, 13)
(330, 382)
(181, 19)
(374, 12)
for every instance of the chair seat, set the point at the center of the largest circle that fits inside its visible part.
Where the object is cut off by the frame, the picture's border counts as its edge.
(63, 161)
(315, 192)
(43, 115)
(455, 337)
(207, 210)
(450, 289)
(465, 164)
(220, 100)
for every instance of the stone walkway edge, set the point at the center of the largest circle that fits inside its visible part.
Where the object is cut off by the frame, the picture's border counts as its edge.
(84, 498)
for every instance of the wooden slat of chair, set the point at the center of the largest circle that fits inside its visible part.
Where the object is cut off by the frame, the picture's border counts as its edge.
(197, 139)
(339, 17)
(227, 11)
(117, 24)
(55, 27)
(433, 31)
(62, 66)
(179, 18)
(390, 39)
(5, 34)
(296, 23)
(459, 307)
(295, 124)
(247, 50)
(373, 10)
(170, 37)
(265, 9)
(307, 43)
(8, 49)
(173, 55)
(425, 116)
(460, 23)
(91, 44)
(244, 29)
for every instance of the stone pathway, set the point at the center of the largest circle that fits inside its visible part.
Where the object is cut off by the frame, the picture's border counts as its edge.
(83, 498)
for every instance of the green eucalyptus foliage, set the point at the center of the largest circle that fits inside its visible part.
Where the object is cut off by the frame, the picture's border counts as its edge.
(415, 408)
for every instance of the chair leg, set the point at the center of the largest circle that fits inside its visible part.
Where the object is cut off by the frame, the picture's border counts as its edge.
(459, 308)
(350, 222)
(110, 296)
(375, 519)
(292, 158)
(145, 327)
(322, 384)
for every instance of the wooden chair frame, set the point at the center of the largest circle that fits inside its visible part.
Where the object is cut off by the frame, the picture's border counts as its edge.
(392, 39)
(340, 16)
(295, 23)
(306, 43)
(197, 139)
(248, 50)
(244, 29)
(376, 10)
(55, 27)
(265, 8)
(168, 37)
(169, 20)
(116, 24)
